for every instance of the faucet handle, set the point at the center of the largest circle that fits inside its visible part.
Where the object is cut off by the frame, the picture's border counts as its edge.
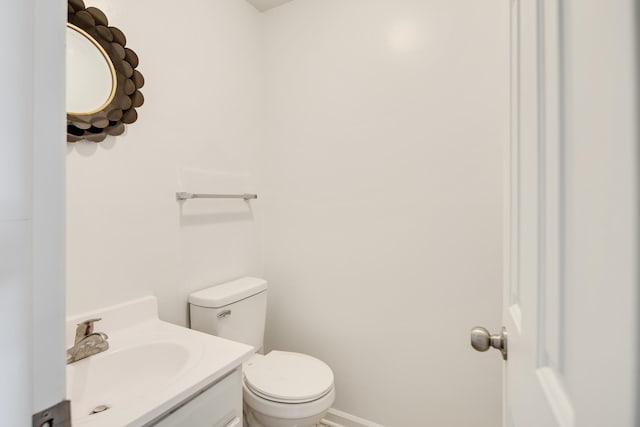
(85, 328)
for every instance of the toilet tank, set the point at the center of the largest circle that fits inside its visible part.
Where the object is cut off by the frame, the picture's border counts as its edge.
(234, 310)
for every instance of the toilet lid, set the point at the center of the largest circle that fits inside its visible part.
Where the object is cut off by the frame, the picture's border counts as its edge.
(288, 377)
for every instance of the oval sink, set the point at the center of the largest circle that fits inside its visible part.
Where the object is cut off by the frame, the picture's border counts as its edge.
(118, 376)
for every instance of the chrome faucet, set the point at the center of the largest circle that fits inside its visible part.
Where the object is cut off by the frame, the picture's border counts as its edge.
(87, 342)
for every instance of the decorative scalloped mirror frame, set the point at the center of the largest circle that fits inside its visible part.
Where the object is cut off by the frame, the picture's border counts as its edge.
(111, 119)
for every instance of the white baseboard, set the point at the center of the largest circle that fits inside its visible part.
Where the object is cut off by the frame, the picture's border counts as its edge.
(335, 418)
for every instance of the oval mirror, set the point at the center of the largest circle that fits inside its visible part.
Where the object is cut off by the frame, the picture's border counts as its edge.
(103, 84)
(91, 77)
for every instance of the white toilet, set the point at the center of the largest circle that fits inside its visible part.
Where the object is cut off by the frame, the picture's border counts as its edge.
(280, 389)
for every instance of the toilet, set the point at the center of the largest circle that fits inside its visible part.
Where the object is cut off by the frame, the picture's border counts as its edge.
(281, 388)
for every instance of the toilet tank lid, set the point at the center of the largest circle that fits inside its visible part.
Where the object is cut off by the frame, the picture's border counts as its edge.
(228, 292)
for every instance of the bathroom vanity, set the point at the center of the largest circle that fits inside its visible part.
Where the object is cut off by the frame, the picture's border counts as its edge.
(154, 373)
(216, 405)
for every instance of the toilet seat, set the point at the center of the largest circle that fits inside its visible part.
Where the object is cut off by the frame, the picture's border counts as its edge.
(287, 377)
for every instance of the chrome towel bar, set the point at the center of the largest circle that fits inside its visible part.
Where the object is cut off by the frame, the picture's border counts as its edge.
(186, 196)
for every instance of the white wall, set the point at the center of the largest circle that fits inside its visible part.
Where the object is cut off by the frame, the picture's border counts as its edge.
(382, 200)
(198, 130)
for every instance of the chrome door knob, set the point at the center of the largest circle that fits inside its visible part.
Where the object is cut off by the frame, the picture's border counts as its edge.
(482, 340)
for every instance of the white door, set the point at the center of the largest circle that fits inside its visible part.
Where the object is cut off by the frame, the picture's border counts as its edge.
(570, 283)
(32, 159)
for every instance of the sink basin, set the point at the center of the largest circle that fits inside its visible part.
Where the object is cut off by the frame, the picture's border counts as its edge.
(150, 367)
(113, 378)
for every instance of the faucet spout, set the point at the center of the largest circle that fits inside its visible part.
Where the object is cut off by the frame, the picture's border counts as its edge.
(87, 343)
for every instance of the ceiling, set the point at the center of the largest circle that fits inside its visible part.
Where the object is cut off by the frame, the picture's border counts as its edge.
(263, 5)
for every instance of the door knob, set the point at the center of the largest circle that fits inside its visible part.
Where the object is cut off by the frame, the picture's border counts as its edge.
(482, 340)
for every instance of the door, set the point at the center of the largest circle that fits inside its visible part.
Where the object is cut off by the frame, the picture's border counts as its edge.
(571, 216)
(32, 159)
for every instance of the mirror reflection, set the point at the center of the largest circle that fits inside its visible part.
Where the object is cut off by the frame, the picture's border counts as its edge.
(91, 79)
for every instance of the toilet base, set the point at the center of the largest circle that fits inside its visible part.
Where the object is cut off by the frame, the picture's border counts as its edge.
(254, 419)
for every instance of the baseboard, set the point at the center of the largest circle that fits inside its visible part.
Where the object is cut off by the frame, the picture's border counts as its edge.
(335, 418)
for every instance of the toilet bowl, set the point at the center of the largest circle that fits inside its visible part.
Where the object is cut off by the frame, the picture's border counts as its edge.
(280, 389)
(284, 389)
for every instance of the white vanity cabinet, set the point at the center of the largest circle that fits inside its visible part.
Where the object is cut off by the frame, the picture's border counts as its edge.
(217, 405)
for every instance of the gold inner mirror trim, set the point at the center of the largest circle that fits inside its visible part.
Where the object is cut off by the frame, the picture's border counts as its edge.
(114, 80)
